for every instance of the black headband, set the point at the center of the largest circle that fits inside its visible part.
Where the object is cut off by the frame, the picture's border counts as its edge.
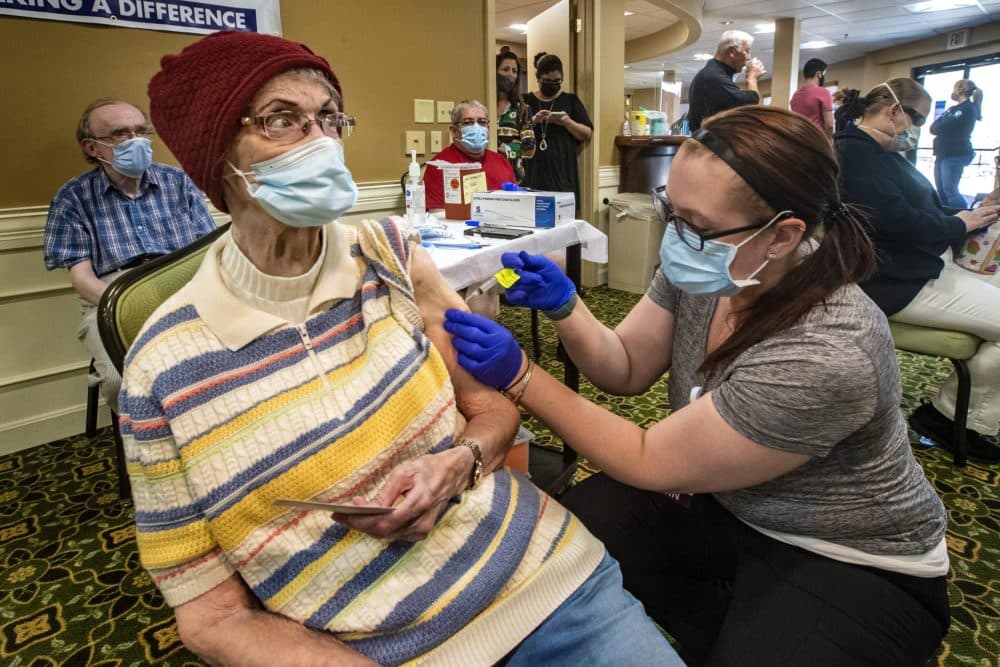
(743, 170)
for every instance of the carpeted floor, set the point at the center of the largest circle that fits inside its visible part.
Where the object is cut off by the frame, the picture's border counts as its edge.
(72, 591)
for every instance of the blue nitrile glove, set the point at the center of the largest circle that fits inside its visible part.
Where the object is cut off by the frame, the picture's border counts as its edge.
(542, 286)
(485, 348)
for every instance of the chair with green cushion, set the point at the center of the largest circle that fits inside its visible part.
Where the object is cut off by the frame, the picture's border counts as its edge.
(129, 301)
(956, 346)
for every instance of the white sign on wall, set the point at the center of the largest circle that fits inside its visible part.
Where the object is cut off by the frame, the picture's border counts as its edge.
(958, 39)
(262, 16)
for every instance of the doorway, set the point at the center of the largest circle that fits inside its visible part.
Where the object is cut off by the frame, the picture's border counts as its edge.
(938, 80)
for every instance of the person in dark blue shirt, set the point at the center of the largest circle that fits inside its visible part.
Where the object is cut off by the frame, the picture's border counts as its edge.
(952, 141)
(116, 216)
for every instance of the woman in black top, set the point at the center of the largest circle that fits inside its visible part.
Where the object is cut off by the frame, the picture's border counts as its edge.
(561, 124)
(916, 281)
(952, 143)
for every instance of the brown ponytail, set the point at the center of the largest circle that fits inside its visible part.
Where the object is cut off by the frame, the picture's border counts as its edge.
(797, 163)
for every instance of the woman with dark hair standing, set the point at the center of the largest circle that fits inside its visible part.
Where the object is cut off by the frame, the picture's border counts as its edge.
(561, 124)
(515, 138)
(815, 537)
(916, 280)
(952, 141)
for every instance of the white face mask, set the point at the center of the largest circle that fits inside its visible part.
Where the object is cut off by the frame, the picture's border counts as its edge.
(308, 186)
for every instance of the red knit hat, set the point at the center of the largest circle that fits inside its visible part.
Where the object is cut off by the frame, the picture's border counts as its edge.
(197, 98)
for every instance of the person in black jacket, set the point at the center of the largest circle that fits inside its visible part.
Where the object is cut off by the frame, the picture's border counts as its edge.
(952, 144)
(916, 280)
(713, 89)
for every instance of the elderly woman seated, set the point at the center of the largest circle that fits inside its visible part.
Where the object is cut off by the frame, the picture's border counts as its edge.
(306, 360)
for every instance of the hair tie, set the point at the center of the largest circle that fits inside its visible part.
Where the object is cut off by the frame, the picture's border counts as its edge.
(839, 210)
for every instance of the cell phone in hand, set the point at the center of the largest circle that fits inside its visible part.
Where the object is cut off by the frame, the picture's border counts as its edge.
(333, 508)
(557, 114)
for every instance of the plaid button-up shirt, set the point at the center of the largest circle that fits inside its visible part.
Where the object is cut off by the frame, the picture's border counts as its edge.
(90, 219)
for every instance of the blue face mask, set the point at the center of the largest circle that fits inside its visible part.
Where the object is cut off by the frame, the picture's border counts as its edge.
(704, 272)
(131, 158)
(474, 138)
(305, 187)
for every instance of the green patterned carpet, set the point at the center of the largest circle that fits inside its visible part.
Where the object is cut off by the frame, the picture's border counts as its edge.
(72, 591)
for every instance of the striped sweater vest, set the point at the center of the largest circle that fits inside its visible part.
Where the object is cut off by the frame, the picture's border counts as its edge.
(324, 410)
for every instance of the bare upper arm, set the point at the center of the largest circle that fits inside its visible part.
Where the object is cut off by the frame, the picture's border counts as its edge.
(434, 296)
(696, 448)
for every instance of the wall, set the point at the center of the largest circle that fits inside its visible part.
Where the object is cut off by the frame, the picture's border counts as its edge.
(868, 71)
(549, 32)
(55, 68)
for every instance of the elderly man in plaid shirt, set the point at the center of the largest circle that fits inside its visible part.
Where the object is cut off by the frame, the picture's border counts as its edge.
(124, 212)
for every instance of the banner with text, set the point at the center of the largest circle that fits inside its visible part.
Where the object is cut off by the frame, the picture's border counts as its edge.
(174, 15)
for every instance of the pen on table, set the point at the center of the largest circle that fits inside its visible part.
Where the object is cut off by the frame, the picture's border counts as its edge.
(460, 246)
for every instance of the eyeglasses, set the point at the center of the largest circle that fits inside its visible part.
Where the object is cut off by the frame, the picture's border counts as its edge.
(293, 125)
(123, 134)
(692, 236)
(469, 122)
(918, 118)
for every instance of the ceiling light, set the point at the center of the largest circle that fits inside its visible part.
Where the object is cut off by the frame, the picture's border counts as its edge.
(627, 66)
(816, 44)
(629, 13)
(703, 56)
(763, 28)
(726, 21)
(518, 26)
(938, 5)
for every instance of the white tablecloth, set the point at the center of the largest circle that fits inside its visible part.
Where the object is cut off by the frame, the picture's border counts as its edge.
(462, 267)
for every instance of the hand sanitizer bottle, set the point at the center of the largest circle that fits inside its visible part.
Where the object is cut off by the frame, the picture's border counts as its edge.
(416, 202)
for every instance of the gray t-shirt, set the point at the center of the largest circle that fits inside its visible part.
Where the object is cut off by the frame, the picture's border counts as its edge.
(827, 387)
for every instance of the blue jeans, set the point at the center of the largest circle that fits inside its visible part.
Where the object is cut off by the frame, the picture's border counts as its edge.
(599, 624)
(947, 174)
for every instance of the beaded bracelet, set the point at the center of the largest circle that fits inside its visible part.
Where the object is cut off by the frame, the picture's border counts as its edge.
(515, 391)
(562, 311)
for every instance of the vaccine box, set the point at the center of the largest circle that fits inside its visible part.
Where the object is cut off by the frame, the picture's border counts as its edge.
(523, 208)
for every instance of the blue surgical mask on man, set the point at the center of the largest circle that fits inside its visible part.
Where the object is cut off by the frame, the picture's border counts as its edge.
(474, 138)
(705, 272)
(308, 186)
(132, 157)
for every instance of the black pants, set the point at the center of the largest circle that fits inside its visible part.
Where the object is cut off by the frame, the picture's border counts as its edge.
(732, 596)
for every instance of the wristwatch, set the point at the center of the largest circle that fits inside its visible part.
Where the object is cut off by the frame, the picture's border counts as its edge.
(477, 460)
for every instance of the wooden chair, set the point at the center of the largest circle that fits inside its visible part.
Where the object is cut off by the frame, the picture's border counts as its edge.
(956, 346)
(130, 300)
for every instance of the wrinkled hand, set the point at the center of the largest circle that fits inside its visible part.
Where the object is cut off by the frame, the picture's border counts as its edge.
(979, 217)
(485, 348)
(755, 68)
(425, 484)
(543, 285)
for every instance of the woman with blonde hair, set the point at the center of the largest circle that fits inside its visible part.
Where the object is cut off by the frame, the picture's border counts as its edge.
(916, 280)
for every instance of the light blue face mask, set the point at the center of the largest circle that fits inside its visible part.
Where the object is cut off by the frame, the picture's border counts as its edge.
(474, 138)
(705, 272)
(305, 187)
(131, 158)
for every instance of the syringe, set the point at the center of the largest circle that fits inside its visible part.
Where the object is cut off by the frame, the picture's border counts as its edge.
(505, 277)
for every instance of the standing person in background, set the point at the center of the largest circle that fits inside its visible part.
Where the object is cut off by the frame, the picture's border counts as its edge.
(561, 124)
(713, 89)
(515, 138)
(812, 100)
(120, 214)
(952, 141)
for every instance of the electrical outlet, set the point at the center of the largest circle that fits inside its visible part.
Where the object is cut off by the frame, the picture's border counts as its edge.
(436, 141)
(444, 108)
(415, 140)
(423, 111)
